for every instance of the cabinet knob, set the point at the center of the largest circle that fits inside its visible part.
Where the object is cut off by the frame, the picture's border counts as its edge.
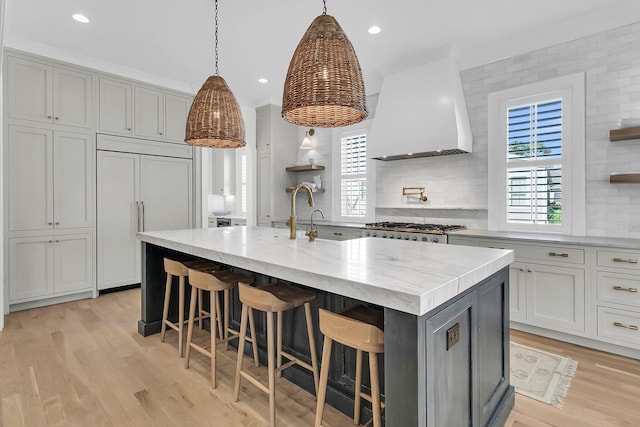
(160, 133)
(57, 223)
(49, 117)
(128, 128)
(57, 241)
(522, 269)
(529, 270)
(49, 223)
(57, 118)
(50, 241)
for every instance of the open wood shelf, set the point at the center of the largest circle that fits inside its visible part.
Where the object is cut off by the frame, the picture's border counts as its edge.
(624, 134)
(625, 177)
(304, 168)
(313, 190)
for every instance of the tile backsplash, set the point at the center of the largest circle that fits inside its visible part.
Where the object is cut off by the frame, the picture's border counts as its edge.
(457, 185)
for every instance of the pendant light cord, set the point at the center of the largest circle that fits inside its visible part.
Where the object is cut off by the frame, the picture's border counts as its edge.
(324, 8)
(216, 36)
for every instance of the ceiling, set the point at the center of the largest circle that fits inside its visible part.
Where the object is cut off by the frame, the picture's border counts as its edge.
(170, 42)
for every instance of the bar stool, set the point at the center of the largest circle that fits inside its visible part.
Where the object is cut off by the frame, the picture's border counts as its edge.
(215, 282)
(181, 270)
(362, 328)
(274, 298)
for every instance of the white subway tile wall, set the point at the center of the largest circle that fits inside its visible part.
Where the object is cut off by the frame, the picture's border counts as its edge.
(611, 62)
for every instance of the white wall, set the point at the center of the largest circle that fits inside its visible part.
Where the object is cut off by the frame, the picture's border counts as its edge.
(611, 62)
(2, 288)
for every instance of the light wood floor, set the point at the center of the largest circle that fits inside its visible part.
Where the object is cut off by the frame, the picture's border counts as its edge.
(84, 364)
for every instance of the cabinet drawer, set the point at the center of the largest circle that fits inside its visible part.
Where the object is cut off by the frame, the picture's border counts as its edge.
(542, 253)
(619, 325)
(619, 259)
(618, 288)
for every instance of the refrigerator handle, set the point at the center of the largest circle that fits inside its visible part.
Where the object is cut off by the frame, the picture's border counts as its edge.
(137, 217)
(142, 215)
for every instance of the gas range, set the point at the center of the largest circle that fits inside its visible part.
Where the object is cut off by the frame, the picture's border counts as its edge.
(432, 233)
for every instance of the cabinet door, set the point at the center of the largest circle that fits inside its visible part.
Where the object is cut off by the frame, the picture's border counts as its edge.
(30, 90)
(556, 298)
(73, 180)
(29, 165)
(72, 98)
(264, 187)
(118, 251)
(148, 115)
(30, 268)
(176, 112)
(115, 107)
(449, 375)
(518, 291)
(73, 263)
(223, 171)
(165, 193)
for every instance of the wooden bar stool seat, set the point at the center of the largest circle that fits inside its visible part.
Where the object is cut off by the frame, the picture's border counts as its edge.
(274, 298)
(215, 282)
(361, 328)
(181, 270)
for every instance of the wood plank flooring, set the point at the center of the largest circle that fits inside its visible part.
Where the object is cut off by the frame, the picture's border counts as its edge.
(84, 364)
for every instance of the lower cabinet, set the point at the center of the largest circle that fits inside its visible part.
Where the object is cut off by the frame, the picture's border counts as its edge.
(49, 266)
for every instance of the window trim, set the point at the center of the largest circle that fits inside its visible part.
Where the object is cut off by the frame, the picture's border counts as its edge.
(571, 89)
(336, 211)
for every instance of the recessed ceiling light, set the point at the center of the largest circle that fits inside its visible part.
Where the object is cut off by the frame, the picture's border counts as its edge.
(374, 29)
(80, 18)
(263, 80)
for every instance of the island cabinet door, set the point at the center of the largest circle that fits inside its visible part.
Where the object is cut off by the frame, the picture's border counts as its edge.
(448, 363)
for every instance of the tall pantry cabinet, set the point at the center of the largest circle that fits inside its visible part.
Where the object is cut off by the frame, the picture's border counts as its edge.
(89, 160)
(49, 173)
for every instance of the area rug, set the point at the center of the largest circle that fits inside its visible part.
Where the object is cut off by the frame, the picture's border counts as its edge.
(540, 375)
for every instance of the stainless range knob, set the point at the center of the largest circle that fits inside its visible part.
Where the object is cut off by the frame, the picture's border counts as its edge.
(398, 236)
(374, 235)
(414, 238)
(384, 236)
(425, 239)
(406, 237)
(435, 240)
(367, 234)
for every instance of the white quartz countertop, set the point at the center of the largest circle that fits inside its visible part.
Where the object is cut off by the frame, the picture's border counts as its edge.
(412, 277)
(551, 238)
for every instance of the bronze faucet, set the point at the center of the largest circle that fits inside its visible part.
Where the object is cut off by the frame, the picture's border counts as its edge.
(311, 232)
(292, 220)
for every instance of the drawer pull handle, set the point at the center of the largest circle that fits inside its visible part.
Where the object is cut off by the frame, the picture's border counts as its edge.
(622, 325)
(556, 254)
(630, 261)
(620, 288)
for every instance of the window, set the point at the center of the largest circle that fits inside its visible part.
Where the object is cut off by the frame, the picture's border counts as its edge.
(353, 176)
(536, 157)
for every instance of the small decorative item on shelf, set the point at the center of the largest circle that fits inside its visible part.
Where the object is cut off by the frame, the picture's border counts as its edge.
(317, 181)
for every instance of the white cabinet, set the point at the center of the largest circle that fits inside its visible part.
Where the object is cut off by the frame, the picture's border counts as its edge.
(47, 266)
(547, 285)
(49, 179)
(137, 193)
(116, 102)
(223, 171)
(618, 296)
(149, 112)
(277, 148)
(264, 187)
(142, 111)
(176, 109)
(48, 94)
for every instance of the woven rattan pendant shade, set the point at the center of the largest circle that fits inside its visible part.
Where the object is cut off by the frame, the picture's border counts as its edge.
(324, 85)
(214, 118)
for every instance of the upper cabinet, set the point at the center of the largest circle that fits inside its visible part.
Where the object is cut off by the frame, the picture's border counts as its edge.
(48, 94)
(149, 113)
(116, 115)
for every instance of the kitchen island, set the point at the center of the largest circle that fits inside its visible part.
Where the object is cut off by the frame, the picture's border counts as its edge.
(446, 310)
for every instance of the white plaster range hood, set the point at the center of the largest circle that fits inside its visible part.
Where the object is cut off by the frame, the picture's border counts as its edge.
(421, 112)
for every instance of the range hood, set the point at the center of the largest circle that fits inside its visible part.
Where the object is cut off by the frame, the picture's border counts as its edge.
(421, 112)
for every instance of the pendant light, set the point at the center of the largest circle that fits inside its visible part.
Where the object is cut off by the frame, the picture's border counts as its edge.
(215, 119)
(324, 85)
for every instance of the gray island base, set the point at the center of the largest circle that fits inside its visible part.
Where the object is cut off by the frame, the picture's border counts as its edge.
(446, 360)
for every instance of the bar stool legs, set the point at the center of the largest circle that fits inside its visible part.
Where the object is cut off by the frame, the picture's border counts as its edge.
(274, 299)
(362, 329)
